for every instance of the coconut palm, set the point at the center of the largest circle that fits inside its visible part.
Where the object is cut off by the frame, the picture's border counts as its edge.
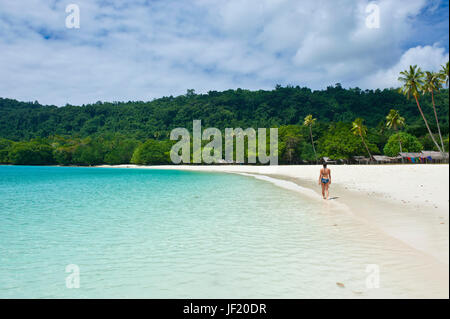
(413, 80)
(358, 128)
(444, 74)
(433, 82)
(395, 121)
(309, 121)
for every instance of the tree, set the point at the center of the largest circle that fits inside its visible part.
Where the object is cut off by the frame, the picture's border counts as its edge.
(31, 153)
(358, 128)
(433, 82)
(152, 152)
(444, 74)
(413, 80)
(340, 143)
(5, 146)
(120, 151)
(410, 143)
(306, 152)
(290, 138)
(89, 152)
(289, 148)
(63, 155)
(309, 122)
(395, 121)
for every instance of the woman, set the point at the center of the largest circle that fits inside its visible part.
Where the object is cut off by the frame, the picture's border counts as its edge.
(325, 180)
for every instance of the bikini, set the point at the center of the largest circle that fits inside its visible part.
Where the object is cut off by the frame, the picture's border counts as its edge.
(325, 180)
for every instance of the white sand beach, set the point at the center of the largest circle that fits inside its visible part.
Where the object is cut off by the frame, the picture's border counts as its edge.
(409, 203)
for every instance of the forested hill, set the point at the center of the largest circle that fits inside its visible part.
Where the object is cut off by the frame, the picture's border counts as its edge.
(232, 108)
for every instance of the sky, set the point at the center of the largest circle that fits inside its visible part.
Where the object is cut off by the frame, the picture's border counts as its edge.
(138, 50)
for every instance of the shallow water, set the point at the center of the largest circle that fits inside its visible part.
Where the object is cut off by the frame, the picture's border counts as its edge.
(137, 233)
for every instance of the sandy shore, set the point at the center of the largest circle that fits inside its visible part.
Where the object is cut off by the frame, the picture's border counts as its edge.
(408, 202)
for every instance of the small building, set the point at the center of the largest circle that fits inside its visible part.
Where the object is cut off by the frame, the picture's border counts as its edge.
(361, 159)
(382, 159)
(327, 160)
(425, 157)
(409, 157)
(435, 157)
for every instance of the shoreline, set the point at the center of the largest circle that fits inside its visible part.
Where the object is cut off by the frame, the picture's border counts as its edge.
(403, 201)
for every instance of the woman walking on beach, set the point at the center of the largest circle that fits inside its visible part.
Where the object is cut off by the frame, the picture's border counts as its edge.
(325, 180)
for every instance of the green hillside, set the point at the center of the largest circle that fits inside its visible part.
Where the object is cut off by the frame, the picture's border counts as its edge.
(120, 127)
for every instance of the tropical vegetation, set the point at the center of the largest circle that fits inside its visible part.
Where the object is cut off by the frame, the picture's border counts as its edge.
(336, 122)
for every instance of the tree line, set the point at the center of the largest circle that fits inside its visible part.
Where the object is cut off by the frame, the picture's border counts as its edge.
(336, 122)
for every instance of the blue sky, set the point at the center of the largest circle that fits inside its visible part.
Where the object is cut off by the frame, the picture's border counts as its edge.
(140, 50)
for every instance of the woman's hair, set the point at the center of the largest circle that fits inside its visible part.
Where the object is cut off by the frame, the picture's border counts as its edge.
(324, 165)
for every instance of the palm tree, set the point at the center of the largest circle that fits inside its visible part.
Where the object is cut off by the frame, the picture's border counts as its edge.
(360, 129)
(433, 82)
(412, 84)
(309, 121)
(395, 121)
(444, 74)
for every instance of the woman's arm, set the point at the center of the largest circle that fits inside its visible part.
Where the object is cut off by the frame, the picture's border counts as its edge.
(329, 175)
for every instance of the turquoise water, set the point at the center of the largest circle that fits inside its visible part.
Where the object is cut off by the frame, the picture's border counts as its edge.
(138, 233)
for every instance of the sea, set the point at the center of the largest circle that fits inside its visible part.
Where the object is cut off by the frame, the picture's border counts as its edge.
(90, 232)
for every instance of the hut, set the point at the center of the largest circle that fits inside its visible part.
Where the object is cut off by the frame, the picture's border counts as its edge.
(425, 157)
(327, 160)
(414, 158)
(361, 159)
(382, 159)
(435, 157)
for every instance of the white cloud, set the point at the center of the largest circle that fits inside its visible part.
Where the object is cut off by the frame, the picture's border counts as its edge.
(138, 50)
(428, 58)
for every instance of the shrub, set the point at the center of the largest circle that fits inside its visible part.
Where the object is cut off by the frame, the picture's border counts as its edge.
(410, 143)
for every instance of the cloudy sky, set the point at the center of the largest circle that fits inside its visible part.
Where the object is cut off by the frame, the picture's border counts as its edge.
(140, 50)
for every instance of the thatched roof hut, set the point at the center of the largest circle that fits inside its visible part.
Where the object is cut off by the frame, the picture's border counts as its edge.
(425, 157)
(361, 159)
(327, 160)
(384, 159)
(434, 155)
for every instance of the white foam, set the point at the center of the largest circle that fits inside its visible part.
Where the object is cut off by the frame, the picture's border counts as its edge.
(296, 188)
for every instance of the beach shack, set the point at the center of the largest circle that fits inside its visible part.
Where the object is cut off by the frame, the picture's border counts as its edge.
(435, 157)
(383, 159)
(415, 158)
(361, 159)
(327, 160)
(425, 157)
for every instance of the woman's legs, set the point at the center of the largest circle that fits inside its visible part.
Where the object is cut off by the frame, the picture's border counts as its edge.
(323, 189)
(326, 189)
